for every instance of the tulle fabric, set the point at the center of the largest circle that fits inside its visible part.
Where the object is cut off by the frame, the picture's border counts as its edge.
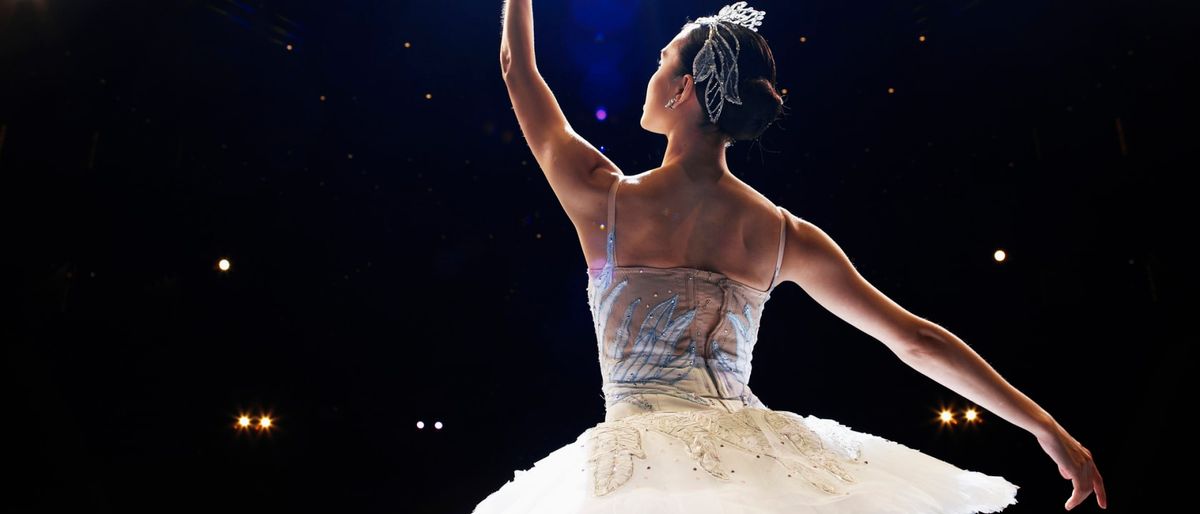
(888, 478)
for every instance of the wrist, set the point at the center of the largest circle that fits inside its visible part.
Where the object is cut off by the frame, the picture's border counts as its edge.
(1047, 427)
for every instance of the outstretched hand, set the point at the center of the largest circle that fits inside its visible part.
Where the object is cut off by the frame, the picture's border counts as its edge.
(1075, 464)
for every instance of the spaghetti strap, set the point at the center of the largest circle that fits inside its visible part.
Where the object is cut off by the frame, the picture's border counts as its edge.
(779, 258)
(612, 212)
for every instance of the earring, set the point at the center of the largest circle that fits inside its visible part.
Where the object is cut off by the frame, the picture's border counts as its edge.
(671, 104)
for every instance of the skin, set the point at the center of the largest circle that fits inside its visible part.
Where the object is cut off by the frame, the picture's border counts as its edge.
(693, 212)
(692, 157)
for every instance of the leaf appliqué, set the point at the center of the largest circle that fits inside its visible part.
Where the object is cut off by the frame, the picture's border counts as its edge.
(705, 433)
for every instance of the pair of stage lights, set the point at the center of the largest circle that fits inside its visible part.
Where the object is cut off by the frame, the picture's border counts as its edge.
(947, 416)
(246, 422)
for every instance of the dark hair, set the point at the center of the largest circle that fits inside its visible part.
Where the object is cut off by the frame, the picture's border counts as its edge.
(761, 103)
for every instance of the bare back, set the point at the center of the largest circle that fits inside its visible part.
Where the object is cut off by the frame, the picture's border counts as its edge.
(726, 227)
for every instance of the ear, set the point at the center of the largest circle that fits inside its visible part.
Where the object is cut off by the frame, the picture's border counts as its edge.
(686, 88)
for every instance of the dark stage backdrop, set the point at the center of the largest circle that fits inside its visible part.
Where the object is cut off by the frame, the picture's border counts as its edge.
(397, 257)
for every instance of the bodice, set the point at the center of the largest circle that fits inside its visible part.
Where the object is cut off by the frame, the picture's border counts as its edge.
(682, 332)
(673, 338)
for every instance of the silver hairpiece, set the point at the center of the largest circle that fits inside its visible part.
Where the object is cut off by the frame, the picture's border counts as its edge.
(723, 85)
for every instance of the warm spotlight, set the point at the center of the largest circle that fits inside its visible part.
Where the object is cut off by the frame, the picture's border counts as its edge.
(971, 415)
(223, 264)
(947, 417)
(999, 255)
(243, 422)
(264, 422)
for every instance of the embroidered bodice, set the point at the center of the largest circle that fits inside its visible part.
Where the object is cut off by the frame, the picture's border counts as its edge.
(684, 332)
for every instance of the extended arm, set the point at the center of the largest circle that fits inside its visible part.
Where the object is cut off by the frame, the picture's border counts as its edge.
(943, 357)
(577, 172)
(815, 262)
(542, 121)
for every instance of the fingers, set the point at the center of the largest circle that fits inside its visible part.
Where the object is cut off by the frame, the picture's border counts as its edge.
(1079, 494)
(1101, 497)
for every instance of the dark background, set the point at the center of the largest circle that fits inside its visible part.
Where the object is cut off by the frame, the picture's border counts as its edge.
(397, 258)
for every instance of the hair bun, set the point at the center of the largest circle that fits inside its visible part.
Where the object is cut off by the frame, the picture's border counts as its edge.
(761, 106)
(761, 103)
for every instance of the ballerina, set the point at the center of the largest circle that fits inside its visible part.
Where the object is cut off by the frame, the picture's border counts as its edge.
(677, 295)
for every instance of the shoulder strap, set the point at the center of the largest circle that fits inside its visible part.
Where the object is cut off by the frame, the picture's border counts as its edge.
(779, 259)
(612, 212)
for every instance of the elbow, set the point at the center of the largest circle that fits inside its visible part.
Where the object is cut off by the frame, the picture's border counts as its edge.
(923, 340)
(510, 71)
(913, 352)
(505, 61)
(514, 67)
(506, 68)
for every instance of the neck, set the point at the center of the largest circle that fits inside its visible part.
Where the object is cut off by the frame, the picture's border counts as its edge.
(698, 159)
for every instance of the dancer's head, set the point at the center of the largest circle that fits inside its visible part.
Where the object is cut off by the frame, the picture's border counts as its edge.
(761, 103)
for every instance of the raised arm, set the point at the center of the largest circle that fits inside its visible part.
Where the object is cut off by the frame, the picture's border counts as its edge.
(819, 266)
(577, 172)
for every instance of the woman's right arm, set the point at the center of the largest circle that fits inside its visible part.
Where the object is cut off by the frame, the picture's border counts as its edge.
(577, 172)
(819, 266)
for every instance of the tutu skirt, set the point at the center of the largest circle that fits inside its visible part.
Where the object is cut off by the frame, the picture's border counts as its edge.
(751, 460)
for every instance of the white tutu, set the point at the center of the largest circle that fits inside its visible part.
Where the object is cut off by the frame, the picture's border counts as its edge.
(750, 461)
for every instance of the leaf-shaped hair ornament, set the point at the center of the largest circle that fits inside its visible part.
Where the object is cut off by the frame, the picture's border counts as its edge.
(716, 62)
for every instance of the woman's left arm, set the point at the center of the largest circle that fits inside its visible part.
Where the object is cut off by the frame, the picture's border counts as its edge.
(815, 262)
(951, 362)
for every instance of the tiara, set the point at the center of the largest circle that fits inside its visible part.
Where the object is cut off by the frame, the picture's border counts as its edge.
(716, 63)
(737, 13)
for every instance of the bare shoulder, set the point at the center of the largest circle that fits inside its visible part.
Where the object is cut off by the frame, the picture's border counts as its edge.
(589, 201)
(815, 262)
(801, 237)
(810, 253)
